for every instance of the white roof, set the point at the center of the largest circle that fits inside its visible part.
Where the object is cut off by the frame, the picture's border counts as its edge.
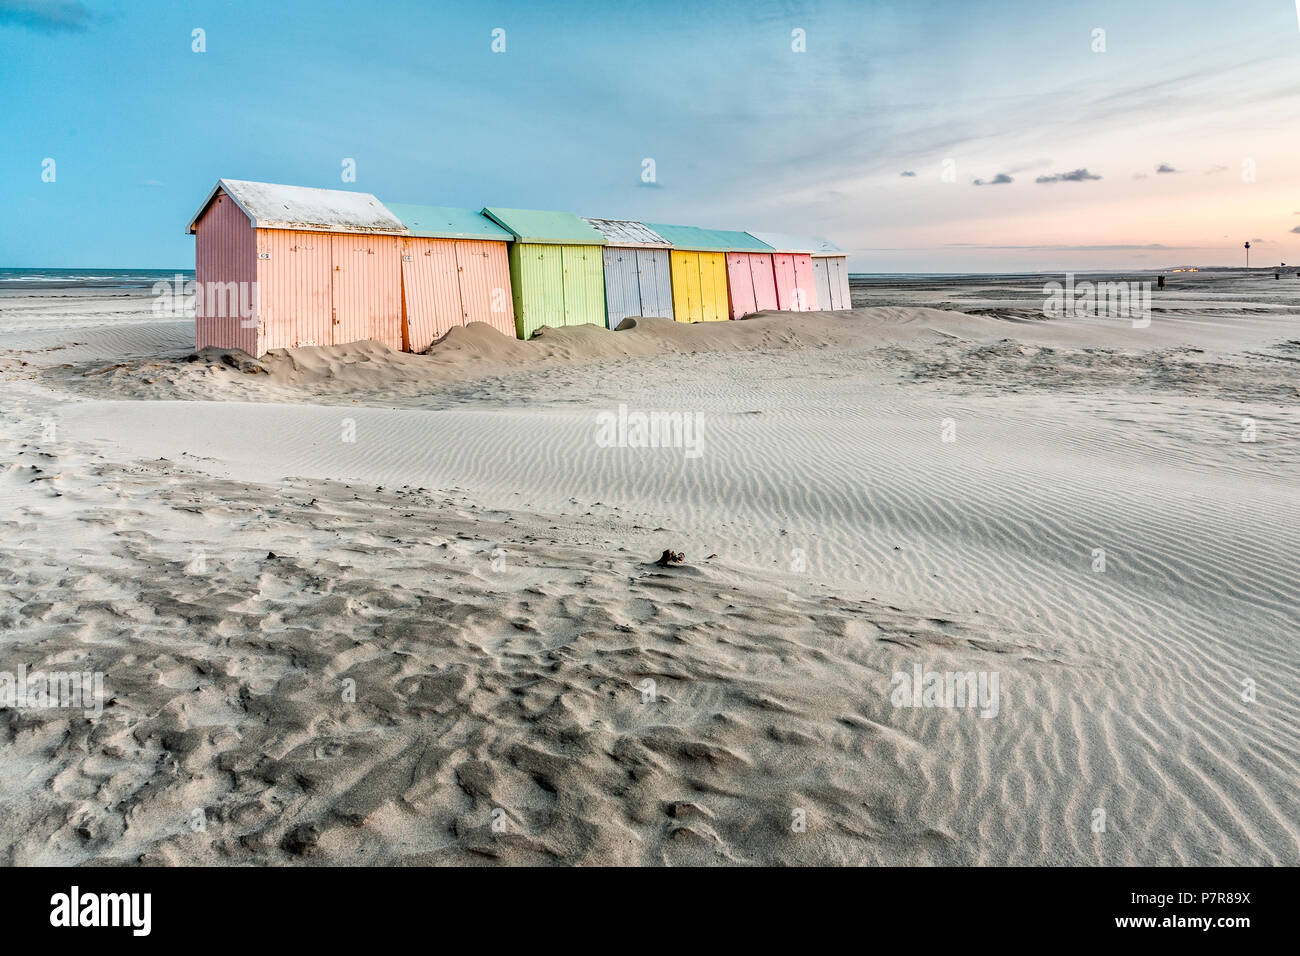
(271, 206)
(782, 242)
(627, 232)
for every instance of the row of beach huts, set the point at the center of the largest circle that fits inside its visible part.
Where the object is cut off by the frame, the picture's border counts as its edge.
(294, 266)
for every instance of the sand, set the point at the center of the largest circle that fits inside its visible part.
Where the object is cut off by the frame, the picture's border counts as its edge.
(353, 606)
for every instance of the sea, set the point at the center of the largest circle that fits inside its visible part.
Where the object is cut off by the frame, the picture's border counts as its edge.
(51, 279)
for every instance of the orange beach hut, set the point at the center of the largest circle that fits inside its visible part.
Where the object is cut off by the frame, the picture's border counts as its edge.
(286, 266)
(455, 271)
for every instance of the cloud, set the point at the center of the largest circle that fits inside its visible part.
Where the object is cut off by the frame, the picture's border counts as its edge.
(1215, 169)
(1076, 176)
(908, 173)
(46, 16)
(1165, 168)
(1296, 229)
(998, 180)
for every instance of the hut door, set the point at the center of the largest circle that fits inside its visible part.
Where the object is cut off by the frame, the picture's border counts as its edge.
(431, 290)
(805, 285)
(740, 285)
(655, 288)
(691, 308)
(584, 285)
(783, 266)
(542, 281)
(622, 285)
(764, 276)
(839, 278)
(822, 280)
(712, 268)
(365, 290)
(472, 281)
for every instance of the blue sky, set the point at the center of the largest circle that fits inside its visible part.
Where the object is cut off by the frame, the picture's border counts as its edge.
(979, 101)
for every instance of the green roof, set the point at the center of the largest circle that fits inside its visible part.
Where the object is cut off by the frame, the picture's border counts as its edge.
(537, 225)
(443, 222)
(741, 241)
(709, 240)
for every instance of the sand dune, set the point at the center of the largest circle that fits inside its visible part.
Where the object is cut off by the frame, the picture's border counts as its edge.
(449, 534)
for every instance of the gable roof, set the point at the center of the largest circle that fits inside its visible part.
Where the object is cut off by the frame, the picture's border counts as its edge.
(627, 232)
(540, 225)
(741, 241)
(788, 243)
(709, 240)
(445, 222)
(272, 206)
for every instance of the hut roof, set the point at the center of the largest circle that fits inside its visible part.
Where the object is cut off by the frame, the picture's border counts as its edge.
(783, 242)
(444, 222)
(628, 232)
(537, 225)
(709, 240)
(272, 206)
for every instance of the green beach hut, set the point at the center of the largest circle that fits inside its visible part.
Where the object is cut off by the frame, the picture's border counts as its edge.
(557, 269)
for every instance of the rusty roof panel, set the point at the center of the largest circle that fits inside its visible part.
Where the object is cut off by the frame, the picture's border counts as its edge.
(628, 232)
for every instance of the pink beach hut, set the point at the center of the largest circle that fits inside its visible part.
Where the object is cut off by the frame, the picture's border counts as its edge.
(826, 261)
(288, 266)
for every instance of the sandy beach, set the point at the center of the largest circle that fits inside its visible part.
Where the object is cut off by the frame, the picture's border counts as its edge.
(359, 606)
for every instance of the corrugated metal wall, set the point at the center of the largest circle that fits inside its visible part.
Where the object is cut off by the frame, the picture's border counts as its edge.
(740, 285)
(321, 288)
(584, 285)
(751, 283)
(783, 267)
(764, 276)
(430, 290)
(805, 284)
(699, 286)
(294, 280)
(637, 282)
(451, 282)
(225, 251)
(656, 282)
(485, 284)
(839, 276)
(367, 290)
(822, 278)
(713, 286)
(556, 285)
(537, 285)
(832, 282)
(622, 285)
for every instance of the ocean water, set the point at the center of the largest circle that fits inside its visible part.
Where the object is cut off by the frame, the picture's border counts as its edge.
(33, 279)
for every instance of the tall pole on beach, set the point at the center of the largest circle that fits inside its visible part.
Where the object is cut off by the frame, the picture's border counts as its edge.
(1248, 255)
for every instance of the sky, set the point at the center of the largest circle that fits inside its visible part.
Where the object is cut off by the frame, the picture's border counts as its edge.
(919, 135)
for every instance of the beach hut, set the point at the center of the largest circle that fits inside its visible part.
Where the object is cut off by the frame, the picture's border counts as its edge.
(455, 270)
(829, 266)
(699, 272)
(793, 271)
(637, 276)
(758, 279)
(285, 266)
(557, 273)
